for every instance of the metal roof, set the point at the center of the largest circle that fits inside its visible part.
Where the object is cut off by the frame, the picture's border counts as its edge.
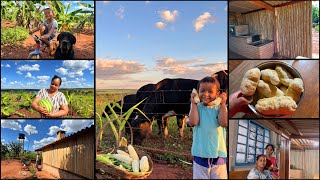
(74, 135)
(247, 6)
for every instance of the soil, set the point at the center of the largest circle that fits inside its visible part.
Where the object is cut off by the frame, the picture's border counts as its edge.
(12, 169)
(35, 114)
(168, 171)
(84, 47)
(315, 44)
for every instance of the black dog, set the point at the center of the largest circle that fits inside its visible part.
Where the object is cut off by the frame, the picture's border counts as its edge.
(65, 50)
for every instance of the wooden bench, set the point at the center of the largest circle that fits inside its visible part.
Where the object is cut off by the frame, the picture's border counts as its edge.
(238, 174)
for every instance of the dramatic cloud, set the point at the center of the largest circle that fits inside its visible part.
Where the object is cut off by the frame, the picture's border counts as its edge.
(172, 66)
(30, 129)
(43, 142)
(11, 124)
(168, 16)
(53, 130)
(160, 25)
(115, 69)
(34, 67)
(202, 20)
(120, 12)
(29, 75)
(75, 125)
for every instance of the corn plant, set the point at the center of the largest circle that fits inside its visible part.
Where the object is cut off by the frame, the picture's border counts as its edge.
(69, 100)
(121, 120)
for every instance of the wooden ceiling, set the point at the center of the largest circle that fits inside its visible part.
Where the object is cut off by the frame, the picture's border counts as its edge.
(304, 134)
(248, 6)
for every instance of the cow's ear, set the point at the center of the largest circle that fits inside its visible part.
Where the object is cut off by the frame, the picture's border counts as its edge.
(73, 39)
(58, 37)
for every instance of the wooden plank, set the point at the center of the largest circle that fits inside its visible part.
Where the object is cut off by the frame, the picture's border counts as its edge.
(294, 127)
(297, 143)
(269, 125)
(304, 136)
(262, 4)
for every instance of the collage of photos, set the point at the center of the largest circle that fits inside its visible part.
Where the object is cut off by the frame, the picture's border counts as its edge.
(160, 89)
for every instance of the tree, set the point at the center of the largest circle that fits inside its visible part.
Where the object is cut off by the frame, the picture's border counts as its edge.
(315, 14)
(4, 150)
(15, 148)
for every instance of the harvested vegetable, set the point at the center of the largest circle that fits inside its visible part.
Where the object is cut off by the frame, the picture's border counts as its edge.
(123, 153)
(123, 158)
(135, 165)
(133, 152)
(144, 164)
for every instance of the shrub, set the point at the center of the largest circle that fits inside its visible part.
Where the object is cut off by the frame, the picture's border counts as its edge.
(13, 35)
(317, 28)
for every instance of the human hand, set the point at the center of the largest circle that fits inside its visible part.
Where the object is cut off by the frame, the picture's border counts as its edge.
(238, 103)
(42, 110)
(48, 115)
(192, 95)
(223, 97)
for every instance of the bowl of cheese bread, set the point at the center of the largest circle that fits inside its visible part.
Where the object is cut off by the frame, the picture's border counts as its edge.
(276, 87)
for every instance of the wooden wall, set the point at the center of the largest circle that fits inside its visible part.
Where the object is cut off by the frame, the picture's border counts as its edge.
(260, 22)
(294, 29)
(307, 160)
(75, 155)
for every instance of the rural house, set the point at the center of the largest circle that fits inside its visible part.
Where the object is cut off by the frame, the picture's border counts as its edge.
(296, 145)
(70, 157)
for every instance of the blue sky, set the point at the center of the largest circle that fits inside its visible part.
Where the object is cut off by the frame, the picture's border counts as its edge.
(39, 132)
(143, 42)
(37, 74)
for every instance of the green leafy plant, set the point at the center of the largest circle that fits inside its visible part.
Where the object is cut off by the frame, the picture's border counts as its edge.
(13, 35)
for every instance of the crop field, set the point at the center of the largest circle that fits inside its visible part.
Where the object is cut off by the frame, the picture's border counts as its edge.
(167, 154)
(17, 103)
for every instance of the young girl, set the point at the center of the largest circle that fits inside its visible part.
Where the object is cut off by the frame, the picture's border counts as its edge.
(209, 149)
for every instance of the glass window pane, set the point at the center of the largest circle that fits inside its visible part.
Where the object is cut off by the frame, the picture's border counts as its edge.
(267, 133)
(240, 158)
(260, 131)
(259, 144)
(251, 150)
(244, 123)
(259, 151)
(250, 158)
(241, 148)
(252, 135)
(266, 140)
(260, 138)
(243, 131)
(242, 139)
(252, 142)
(253, 127)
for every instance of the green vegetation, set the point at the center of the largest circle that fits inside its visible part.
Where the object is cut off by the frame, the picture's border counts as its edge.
(315, 14)
(13, 35)
(29, 14)
(317, 28)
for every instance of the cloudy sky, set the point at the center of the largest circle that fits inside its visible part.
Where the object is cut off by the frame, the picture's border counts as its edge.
(37, 74)
(39, 132)
(145, 42)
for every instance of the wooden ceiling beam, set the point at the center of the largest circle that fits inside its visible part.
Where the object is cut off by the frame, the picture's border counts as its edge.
(262, 4)
(305, 136)
(294, 127)
(271, 126)
(297, 143)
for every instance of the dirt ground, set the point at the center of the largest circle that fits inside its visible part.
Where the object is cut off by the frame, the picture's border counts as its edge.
(167, 171)
(84, 47)
(12, 169)
(315, 44)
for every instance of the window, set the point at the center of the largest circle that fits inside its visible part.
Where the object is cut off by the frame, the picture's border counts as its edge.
(251, 141)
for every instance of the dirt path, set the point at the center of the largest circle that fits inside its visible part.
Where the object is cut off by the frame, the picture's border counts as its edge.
(315, 44)
(11, 169)
(84, 47)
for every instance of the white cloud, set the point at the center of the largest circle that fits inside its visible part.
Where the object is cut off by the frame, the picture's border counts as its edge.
(1, 65)
(77, 66)
(34, 67)
(160, 25)
(19, 72)
(169, 16)
(80, 79)
(7, 65)
(11, 124)
(120, 12)
(43, 77)
(21, 120)
(202, 20)
(43, 142)
(30, 129)
(15, 82)
(62, 71)
(29, 75)
(64, 79)
(91, 72)
(3, 140)
(53, 130)
(172, 66)
(30, 83)
(75, 125)
(115, 69)
(3, 80)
